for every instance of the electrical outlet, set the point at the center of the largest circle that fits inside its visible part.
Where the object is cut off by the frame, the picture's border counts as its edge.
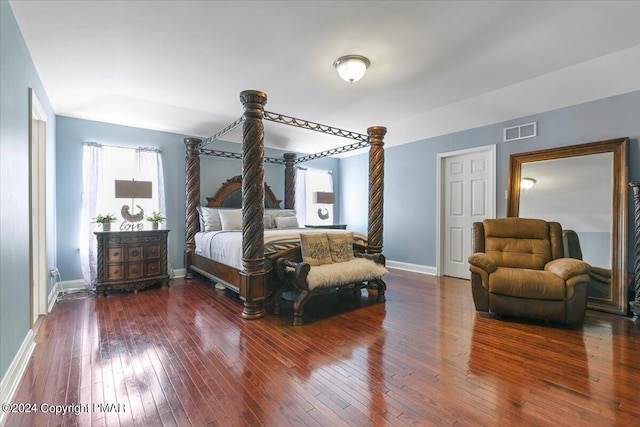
(54, 272)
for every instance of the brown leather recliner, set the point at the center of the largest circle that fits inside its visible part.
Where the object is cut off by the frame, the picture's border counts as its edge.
(518, 269)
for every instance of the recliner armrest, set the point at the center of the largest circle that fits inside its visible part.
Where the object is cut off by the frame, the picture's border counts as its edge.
(567, 268)
(483, 261)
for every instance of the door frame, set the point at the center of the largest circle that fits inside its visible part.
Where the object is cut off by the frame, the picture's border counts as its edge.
(39, 265)
(440, 193)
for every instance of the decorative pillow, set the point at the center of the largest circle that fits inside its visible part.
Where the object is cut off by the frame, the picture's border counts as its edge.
(209, 219)
(287, 222)
(341, 246)
(267, 221)
(315, 249)
(231, 219)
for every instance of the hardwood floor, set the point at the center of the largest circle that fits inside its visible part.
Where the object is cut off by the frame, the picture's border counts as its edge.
(183, 356)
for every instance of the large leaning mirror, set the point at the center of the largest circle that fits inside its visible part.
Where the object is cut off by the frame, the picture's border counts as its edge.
(584, 188)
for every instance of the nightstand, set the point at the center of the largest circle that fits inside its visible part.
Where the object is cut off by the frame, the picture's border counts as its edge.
(131, 260)
(331, 226)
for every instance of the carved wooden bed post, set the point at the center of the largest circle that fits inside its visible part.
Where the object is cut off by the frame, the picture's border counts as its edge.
(253, 286)
(192, 183)
(376, 188)
(289, 181)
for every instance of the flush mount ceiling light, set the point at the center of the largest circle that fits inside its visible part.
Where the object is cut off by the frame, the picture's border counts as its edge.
(527, 183)
(351, 68)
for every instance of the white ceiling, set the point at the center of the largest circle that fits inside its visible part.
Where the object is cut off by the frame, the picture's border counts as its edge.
(436, 67)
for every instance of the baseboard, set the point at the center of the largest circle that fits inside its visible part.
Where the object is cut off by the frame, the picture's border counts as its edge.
(70, 286)
(14, 374)
(67, 286)
(424, 269)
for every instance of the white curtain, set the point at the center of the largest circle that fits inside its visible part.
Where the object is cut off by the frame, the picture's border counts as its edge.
(309, 181)
(151, 159)
(92, 155)
(102, 165)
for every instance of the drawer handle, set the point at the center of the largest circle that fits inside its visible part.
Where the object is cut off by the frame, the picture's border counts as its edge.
(135, 269)
(135, 252)
(116, 271)
(116, 253)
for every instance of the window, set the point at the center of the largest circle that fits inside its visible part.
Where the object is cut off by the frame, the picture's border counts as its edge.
(308, 184)
(129, 164)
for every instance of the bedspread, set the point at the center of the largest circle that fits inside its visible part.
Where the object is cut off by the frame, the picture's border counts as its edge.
(226, 246)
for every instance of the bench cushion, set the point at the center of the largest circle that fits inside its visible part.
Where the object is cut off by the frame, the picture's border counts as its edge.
(357, 270)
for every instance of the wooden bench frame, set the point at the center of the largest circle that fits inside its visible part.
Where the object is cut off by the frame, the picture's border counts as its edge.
(293, 272)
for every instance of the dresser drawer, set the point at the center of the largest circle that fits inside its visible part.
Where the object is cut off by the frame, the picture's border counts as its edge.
(115, 272)
(115, 254)
(152, 251)
(135, 270)
(153, 268)
(135, 253)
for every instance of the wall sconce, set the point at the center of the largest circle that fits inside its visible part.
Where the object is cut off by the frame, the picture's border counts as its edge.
(324, 198)
(351, 68)
(527, 183)
(133, 190)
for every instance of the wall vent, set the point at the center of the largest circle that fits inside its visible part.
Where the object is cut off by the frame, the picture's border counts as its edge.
(528, 130)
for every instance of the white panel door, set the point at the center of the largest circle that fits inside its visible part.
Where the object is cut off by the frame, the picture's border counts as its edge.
(467, 198)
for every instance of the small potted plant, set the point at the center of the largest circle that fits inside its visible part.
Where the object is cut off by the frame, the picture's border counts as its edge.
(155, 218)
(105, 221)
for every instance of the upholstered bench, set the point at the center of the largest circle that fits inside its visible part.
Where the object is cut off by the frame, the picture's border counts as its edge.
(329, 262)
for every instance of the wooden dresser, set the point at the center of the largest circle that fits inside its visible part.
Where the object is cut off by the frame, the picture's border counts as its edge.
(131, 260)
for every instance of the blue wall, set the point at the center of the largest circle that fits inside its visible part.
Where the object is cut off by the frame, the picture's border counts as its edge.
(214, 172)
(410, 204)
(17, 75)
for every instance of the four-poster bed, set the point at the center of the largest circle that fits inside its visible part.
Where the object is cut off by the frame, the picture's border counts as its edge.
(251, 279)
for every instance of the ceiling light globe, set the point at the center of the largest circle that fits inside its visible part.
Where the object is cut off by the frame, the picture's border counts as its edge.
(351, 68)
(527, 183)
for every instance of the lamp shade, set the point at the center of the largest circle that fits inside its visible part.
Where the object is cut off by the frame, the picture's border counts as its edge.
(133, 189)
(351, 68)
(324, 198)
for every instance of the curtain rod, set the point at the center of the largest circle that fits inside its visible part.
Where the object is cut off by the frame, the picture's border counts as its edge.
(311, 169)
(99, 144)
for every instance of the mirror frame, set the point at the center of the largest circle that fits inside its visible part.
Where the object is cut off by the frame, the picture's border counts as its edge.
(620, 149)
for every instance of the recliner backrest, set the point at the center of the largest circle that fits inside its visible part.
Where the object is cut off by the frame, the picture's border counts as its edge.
(521, 242)
(571, 243)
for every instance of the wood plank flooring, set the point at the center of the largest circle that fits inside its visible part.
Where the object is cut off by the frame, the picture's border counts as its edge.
(183, 356)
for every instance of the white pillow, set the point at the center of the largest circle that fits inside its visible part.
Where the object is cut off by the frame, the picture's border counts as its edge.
(286, 222)
(267, 222)
(209, 219)
(231, 219)
(276, 213)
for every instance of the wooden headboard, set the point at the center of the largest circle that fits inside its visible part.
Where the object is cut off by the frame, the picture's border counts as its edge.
(230, 195)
